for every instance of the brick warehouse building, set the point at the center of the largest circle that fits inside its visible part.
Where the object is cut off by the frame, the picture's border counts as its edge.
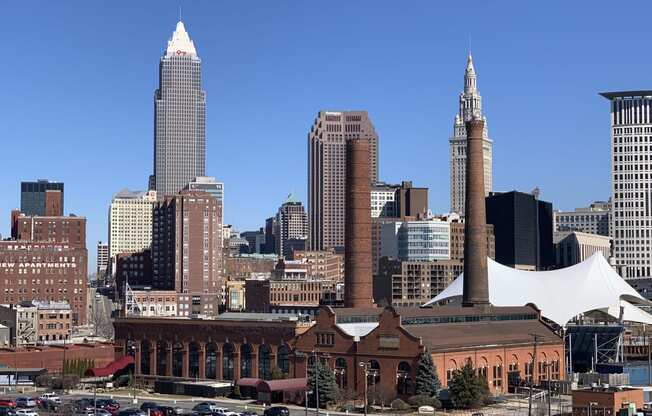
(44, 271)
(390, 340)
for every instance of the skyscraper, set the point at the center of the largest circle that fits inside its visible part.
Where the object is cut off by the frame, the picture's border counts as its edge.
(292, 223)
(42, 197)
(179, 117)
(187, 250)
(470, 105)
(130, 223)
(102, 259)
(327, 172)
(631, 188)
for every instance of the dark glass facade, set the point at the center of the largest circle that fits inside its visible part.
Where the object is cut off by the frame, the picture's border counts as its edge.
(32, 196)
(523, 229)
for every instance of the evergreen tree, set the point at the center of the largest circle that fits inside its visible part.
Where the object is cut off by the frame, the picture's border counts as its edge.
(427, 381)
(277, 374)
(329, 392)
(467, 388)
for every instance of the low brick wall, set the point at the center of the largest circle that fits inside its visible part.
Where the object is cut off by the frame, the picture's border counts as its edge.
(51, 357)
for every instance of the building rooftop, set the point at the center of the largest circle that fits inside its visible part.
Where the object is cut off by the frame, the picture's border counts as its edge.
(624, 94)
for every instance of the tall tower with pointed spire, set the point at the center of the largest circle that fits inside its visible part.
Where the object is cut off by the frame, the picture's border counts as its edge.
(179, 117)
(470, 107)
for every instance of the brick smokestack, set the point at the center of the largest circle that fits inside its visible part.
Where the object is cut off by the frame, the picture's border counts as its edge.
(476, 283)
(357, 228)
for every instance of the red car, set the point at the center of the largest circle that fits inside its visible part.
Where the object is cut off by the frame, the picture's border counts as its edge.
(8, 403)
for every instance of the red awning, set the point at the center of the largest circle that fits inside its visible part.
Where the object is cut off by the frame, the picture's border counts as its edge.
(249, 382)
(110, 369)
(288, 384)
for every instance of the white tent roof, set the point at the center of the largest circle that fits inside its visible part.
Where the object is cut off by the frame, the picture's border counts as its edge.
(560, 294)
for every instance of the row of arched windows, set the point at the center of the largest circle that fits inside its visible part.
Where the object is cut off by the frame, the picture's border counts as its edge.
(547, 368)
(246, 352)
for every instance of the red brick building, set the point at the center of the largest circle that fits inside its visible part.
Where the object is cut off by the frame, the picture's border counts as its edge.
(605, 401)
(44, 271)
(389, 341)
(187, 250)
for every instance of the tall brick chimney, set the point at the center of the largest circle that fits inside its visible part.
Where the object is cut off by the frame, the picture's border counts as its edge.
(476, 283)
(357, 228)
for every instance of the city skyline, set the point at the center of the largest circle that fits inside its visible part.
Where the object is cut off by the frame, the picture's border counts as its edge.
(421, 98)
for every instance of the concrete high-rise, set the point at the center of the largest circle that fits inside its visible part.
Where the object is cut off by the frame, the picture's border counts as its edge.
(593, 219)
(179, 117)
(631, 188)
(327, 172)
(102, 259)
(41, 197)
(470, 106)
(292, 224)
(130, 223)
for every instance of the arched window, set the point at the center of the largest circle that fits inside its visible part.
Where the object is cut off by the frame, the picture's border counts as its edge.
(373, 375)
(211, 361)
(283, 359)
(450, 369)
(556, 363)
(193, 360)
(227, 361)
(177, 360)
(264, 369)
(161, 358)
(513, 364)
(246, 356)
(482, 368)
(341, 373)
(498, 373)
(404, 379)
(543, 367)
(529, 369)
(144, 357)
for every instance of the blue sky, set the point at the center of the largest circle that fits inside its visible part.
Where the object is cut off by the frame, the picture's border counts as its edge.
(78, 80)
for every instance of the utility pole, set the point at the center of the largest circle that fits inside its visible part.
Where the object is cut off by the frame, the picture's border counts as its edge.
(649, 357)
(535, 338)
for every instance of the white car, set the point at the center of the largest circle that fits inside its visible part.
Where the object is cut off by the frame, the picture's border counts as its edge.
(50, 397)
(26, 412)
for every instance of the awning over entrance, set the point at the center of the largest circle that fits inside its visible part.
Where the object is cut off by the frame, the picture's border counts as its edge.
(269, 386)
(110, 369)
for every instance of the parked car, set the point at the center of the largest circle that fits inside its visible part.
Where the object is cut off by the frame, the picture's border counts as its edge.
(108, 404)
(202, 409)
(168, 411)
(26, 412)
(152, 407)
(83, 404)
(24, 401)
(50, 397)
(214, 407)
(7, 403)
(7, 411)
(102, 412)
(277, 411)
(132, 412)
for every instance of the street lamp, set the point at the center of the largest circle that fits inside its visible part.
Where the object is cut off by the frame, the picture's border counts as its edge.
(365, 370)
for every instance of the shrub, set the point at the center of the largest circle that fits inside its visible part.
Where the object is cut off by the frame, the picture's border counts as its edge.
(424, 400)
(399, 404)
